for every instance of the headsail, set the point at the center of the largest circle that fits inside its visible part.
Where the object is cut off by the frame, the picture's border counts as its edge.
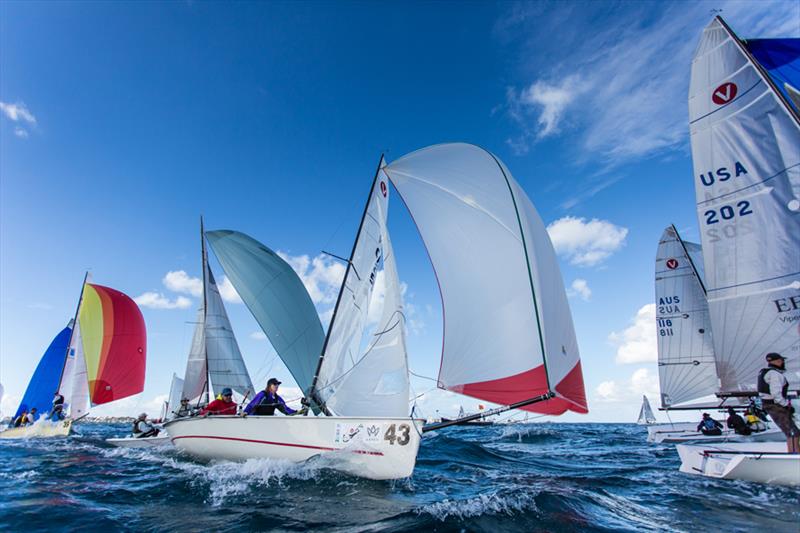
(174, 398)
(277, 298)
(195, 379)
(114, 343)
(746, 152)
(646, 415)
(373, 381)
(74, 384)
(781, 59)
(508, 332)
(686, 366)
(44, 382)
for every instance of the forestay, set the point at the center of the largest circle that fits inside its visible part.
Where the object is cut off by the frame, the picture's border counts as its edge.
(746, 153)
(372, 381)
(686, 366)
(277, 298)
(508, 332)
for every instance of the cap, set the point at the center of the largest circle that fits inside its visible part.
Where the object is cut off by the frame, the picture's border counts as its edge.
(775, 356)
(227, 391)
(184, 399)
(273, 381)
(705, 415)
(143, 415)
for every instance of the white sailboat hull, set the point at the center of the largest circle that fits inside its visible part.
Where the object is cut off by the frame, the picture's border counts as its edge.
(728, 435)
(762, 462)
(373, 448)
(41, 429)
(162, 439)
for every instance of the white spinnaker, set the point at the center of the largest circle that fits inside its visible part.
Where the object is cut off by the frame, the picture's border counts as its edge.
(686, 365)
(373, 381)
(226, 367)
(74, 378)
(499, 279)
(646, 415)
(746, 154)
(174, 398)
(196, 376)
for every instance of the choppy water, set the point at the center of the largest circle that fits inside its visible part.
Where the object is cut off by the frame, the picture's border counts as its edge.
(536, 477)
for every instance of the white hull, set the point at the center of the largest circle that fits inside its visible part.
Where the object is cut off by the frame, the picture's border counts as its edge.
(145, 442)
(728, 435)
(654, 429)
(41, 429)
(762, 462)
(374, 448)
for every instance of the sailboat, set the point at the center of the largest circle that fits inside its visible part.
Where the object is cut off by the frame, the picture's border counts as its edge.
(508, 334)
(98, 358)
(646, 416)
(462, 414)
(162, 439)
(745, 135)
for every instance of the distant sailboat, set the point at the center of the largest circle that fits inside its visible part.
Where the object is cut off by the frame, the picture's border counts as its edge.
(98, 358)
(745, 133)
(525, 356)
(646, 415)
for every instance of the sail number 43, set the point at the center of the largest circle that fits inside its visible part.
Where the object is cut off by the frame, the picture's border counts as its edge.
(398, 434)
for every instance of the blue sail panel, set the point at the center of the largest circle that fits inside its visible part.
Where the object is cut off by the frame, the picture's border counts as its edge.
(781, 59)
(45, 380)
(277, 298)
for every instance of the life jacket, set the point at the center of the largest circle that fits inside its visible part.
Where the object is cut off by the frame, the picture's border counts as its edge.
(763, 386)
(136, 430)
(709, 423)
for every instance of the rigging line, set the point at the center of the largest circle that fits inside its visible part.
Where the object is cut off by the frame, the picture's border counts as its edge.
(424, 377)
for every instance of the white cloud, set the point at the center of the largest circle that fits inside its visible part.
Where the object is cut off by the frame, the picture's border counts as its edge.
(258, 336)
(18, 113)
(641, 382)
(322, 275)
(22, 133)
(580, 288)
(586, 243)
(630, 101)
(228, 292)
(157, 300)
(179, 281)
(637, 343)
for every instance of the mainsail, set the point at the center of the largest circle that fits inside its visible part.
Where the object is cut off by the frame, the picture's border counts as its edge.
(646, 415)
(746, 151)
(195, 379)
(508, 332)
(277, 298)
(114, 343)
(174, 398)
(686, 365)
(44, 381)
(373, 381)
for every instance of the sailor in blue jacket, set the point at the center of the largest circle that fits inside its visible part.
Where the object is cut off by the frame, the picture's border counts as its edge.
(268, 400)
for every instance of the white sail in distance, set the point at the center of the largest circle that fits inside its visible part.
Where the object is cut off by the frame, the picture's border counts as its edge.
(508, 332)
(746, 155)
(686, 365)
(372, 381)
(646, 415)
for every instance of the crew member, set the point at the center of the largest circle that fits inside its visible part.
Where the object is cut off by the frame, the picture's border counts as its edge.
(268, 400)
(709, 427)
(57, 412)
(773, 389)
(142, 428)
(224, 405)
(737, 423)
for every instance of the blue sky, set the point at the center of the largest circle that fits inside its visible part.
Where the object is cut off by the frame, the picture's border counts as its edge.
(122, 123)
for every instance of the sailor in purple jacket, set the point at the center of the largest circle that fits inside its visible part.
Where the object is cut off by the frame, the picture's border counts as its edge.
(268, 400)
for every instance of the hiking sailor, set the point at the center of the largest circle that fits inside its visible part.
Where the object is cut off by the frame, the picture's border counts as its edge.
(268, 400)
(709, 427)
(142, 428)
(773, 389)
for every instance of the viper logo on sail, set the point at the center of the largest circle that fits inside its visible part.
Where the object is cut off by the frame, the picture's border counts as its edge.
(724, 93)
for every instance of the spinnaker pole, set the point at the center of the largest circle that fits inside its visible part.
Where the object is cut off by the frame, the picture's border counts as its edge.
(491, 412)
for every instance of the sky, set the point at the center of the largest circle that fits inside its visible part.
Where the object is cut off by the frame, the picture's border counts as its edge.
(121, 123)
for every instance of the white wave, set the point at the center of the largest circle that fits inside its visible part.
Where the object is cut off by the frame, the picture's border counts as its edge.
(523, 430)
(490, 503)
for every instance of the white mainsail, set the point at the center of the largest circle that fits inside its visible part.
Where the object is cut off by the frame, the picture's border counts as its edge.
(196, 377)
(686, 365)
(646, 415)
(373, 381)
(746, 153)
(508, 332)
(74, 378)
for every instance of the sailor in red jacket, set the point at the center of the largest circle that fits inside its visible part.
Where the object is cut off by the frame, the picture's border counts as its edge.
(222, 406)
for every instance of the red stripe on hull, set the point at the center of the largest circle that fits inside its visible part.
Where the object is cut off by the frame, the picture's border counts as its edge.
(528, 384)
(324, 448)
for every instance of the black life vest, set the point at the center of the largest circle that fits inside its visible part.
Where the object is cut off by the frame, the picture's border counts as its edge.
(763, 386)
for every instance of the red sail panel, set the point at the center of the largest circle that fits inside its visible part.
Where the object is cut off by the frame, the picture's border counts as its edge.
(571, 395)
(122, 360)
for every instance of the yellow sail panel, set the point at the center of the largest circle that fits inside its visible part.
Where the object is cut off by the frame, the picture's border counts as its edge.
(91, 319)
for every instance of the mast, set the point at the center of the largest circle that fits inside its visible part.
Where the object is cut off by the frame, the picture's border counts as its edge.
(764, 74)
(691, 261)
(204, 263)
(72, 333)
(312, 391)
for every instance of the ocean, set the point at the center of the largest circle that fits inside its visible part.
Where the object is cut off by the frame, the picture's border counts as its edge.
(522, 477)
